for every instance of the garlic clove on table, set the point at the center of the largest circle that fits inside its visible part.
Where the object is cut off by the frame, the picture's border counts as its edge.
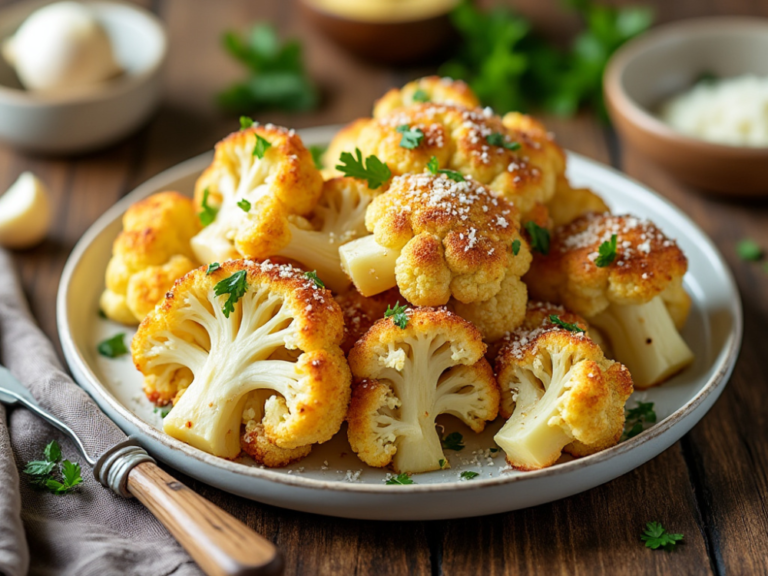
(25, 212)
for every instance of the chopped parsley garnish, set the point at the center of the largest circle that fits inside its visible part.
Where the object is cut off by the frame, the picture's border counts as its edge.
(43, 472)
(102, 314)
(655, 536)
(412, 137)
(556, 320)
(434, 168)
(261, 147)
(469, 475)
(441, 463)
(606, 253)
(208, 214)
(398, 315)
(212, 267)
(313, 276)
(317, 152)
(420, 96)
(749, 250)
(245, 122)
(401, 479)
(235, 286)
(497, 139)
(453, 441)
(539, 237)
(516, 247)
(113, 347)
(373, 170)
(244, 205)
(163, 411)
(636, 419)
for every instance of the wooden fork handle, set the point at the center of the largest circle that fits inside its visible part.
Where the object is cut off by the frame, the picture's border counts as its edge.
(219, 543)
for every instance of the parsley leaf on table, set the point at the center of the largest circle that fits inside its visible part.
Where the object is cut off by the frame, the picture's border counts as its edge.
(539, 237)
(412, 137)
(401, 479)
(235, 286)
(113, 347)
(606, 253)
(372, 170)
(749, 250)
(453, 441)
(276, 77)
(469, 475)
(556, 320)
(42, 472)
(655, 536)
(636, 419)
(208, 213)
(313, 276)
(71, 475)
(398, 315)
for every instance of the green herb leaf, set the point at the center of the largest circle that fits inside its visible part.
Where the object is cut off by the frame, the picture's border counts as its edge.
(498, 139)
(101, 314)
(539, 237)
(373, 170)
(208, 213)
(245, 122)
(401, 479)
(244, 205)
(493, 450)
(453, 441)
(433, 165)
(555, 319)
(441, 462)
(113, 347)
(317, 152)
(469, 475)
(637, 418)
(261, 147)
(606, 253)
(163, 411)
(52, 452)
(515, 247)
(212, 267)
(655, 536)
(749, 250)
(434, 168)
(313, 276)
(42, 472)
(412, 137)
(398, 315)
(420, 96)
(39, 468)
(235, 286)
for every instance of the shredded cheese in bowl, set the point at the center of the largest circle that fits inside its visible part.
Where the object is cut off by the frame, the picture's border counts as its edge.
(732, 111)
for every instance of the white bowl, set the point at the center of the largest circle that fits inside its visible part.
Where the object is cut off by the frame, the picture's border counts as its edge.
(74, 123)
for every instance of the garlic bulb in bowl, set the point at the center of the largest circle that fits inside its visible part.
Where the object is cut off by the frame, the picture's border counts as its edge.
(60, 48)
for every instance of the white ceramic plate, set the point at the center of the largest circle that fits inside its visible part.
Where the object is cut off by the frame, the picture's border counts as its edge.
(332, 480)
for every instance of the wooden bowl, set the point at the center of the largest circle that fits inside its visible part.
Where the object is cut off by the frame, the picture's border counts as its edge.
(390, 43)
(666, 61)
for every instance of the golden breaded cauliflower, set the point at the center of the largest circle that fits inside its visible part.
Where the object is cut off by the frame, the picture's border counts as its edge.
(428, 89)
(246, 327)
(257, 169)
(569, 203)
(435, 238)
(148, 255)
(499, 315)
(520, 165)
(559, 391)
(625, 298)
(314, 241)
(408, 374)
(361, 312)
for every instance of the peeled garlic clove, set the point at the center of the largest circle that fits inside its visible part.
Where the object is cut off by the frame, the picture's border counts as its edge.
(25, 212)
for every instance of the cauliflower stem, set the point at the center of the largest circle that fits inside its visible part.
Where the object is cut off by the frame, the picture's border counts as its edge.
(643, 338)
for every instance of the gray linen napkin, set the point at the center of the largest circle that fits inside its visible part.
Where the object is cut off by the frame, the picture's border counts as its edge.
(87, 532)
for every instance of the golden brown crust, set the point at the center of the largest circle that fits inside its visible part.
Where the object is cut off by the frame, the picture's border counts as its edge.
(437, 90)
(569, 203)
(258, 446)
(360, 312)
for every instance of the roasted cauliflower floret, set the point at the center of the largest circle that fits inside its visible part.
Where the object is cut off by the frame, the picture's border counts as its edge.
(625, 298)
(500, 314)
(520, 165)
(559, 392)
(569, 203)
(257, 169)
(148, 255)
(246, 327)
(435, 238)
(406, 376)
(428, 89)
(361, 312)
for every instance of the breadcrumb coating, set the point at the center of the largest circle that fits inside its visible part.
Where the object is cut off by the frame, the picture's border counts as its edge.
(428, 89)
(569, 203)
(360, 312)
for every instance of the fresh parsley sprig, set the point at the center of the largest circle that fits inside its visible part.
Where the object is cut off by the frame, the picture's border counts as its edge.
(313, 277)
(261, 146)
(163, 411)
(235, 286)
(43, 472)
(246, 122)
(372, 170)
(453, 441)
(434, 167)
(411, 138)
(556, 320)
(469, 475)
(401, 479)
(656, 536)
(398, 315)
(606, 253)
(498, 139)
(212, 267)
(637, 418)
(420, 96)
(113, 347)
(244, 205)
(208, 213)
(516, 247)
(539, 237)
(749, 250)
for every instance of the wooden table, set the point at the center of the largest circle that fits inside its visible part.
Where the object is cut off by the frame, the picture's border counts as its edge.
(711, 486)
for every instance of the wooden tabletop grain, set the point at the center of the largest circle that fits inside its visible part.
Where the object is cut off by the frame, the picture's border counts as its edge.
(711, 486)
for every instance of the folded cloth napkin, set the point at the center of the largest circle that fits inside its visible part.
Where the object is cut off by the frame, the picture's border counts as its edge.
(86, 532)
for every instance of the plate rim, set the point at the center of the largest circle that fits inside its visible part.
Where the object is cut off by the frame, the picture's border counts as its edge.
(726, 357)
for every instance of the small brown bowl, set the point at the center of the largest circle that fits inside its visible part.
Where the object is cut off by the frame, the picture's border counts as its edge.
(390, 43)
(668, 60)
